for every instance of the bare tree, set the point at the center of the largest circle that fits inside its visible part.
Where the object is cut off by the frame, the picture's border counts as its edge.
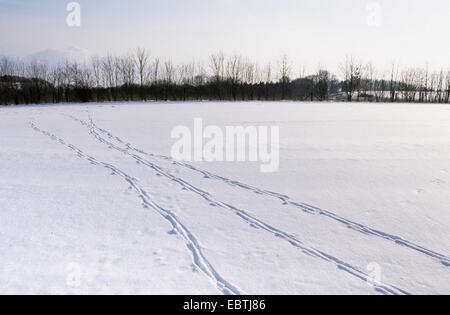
(108, 71)
(96, 67)
(155, 76)
(267, 80)
(38, 72)
(168, 77)
(447, 87)
(321, 83)
(369, 82)
(234, 70)
(423, 84)
(142, 59)
(187, 77)
(351, 70)
(127, 70)
(6, 67)
(285, 69)
(440, 86)
(8, 84)
(217, 66)
(393, 82)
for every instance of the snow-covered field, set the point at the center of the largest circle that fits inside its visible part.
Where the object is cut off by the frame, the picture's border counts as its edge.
(90, 201)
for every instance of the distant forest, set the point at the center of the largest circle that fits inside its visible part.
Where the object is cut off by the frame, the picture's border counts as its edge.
(139, 77)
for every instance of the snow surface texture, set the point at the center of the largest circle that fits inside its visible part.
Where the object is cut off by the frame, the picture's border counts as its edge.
(91, 202)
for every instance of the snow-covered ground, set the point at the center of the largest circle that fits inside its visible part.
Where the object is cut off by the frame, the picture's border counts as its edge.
(90, 201)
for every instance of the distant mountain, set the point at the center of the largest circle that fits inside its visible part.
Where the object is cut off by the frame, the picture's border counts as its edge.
(55, 56)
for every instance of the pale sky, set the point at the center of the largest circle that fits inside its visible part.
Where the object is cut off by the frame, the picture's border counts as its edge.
(414, 32)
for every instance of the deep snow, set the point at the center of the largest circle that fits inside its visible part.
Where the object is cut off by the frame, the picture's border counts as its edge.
(90, 201)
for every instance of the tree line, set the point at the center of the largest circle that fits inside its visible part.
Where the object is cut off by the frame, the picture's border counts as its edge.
(139, 77)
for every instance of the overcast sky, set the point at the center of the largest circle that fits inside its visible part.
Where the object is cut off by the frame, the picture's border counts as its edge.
(414, 32)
